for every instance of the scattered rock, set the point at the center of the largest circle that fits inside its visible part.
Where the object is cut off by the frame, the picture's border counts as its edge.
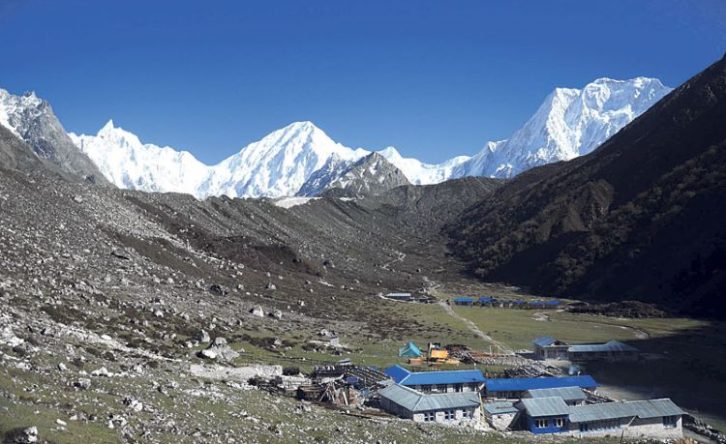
(82, 383)
(202, 336)
(218, 290)
(258, 311)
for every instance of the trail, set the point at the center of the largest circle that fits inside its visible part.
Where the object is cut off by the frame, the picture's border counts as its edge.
(474, 329)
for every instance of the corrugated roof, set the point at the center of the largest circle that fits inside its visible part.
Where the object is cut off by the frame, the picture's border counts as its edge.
(651, 408)
(416, 401)
(552, 406)
(612, 346)
(485, 299)
(403, 376)
(523, 384)
(496, 408)
(544, 341)
(566, 393)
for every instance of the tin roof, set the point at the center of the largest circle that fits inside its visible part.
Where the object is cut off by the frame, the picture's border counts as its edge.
(611, 346)
(416, 401)
(544, 341)
(552, 406)
(524, 384)
(403, 376)
(651, 408)
(500, 407)
(566, 393)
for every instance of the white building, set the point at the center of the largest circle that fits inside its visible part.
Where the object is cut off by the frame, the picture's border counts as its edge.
(445, 408)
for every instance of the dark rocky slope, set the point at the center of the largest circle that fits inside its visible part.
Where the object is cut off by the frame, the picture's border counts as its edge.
(640, 218)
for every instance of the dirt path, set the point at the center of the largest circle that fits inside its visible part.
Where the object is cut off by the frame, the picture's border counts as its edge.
(474, 329)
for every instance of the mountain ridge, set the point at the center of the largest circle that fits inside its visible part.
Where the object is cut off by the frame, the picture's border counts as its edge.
(569, 123)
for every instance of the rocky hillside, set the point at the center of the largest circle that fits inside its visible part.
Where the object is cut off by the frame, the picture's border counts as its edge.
(639, 218)
(32, 120)
(369, 176)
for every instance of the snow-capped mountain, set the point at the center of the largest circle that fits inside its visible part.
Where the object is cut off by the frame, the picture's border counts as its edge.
(570, 123)
(420, 173)
(300, 159)
(32, 120)
(130, 164)
(278, 165)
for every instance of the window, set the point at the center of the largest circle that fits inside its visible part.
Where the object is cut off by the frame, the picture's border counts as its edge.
(440, 388)
(449, 415)
(670, 421)
(560, 422)
(429, 416)
(459, 388)
(584, 427)
(541, 423)
(466, 414)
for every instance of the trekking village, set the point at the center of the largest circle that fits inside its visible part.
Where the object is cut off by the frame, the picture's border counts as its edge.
(453, 385)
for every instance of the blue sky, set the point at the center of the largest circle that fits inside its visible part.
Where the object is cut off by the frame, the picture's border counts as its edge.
(434, 79)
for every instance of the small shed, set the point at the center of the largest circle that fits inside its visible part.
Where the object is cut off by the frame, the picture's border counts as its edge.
(501, 415)
(486, 300)
(406, 297)
(547, 347)
(410, 350)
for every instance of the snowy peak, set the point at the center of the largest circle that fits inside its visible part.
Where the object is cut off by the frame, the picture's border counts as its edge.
(420, 173)
(301, 159)
(569, 123)
(128, 163)
(278, 164)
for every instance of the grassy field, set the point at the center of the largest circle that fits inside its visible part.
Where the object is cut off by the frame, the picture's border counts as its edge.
(518, 328)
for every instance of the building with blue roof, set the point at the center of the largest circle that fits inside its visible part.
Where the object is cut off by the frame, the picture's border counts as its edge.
(515, 388)
(439, 381)
(464, 300)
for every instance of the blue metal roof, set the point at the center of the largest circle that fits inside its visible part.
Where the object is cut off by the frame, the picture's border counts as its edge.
(522, 384)
(464, 299)
(402, 376)
(552, 302)
(397, 373)
(486, 299)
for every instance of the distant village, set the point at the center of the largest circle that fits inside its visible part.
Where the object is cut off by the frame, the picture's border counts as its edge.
(564, 405)
(539, 404)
